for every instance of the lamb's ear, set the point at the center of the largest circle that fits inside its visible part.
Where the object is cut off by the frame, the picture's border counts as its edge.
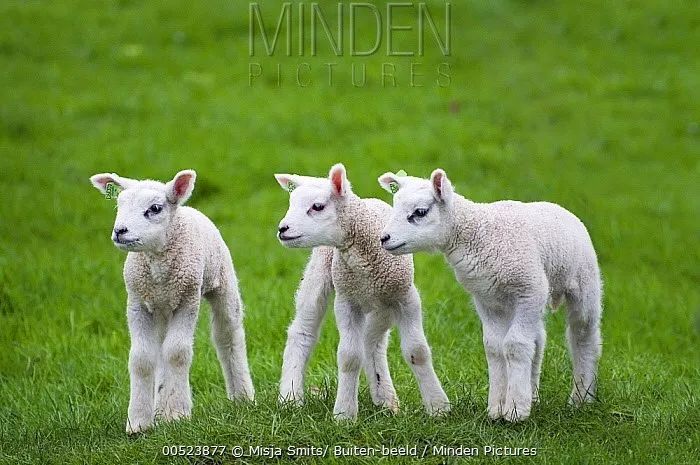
(100, 181)
(180, 188)
(389, 182)
(442, 187)
(288, 182)
(339, 180)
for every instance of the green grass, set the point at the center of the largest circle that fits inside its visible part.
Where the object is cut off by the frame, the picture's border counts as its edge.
(593, 105)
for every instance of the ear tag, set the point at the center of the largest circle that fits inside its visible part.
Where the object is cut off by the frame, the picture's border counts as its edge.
(111, 191)
(394, 186)
(291, 186)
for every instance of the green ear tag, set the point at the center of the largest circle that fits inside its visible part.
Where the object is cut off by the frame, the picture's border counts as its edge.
(111, 191)
(394, 186)
(291, 186)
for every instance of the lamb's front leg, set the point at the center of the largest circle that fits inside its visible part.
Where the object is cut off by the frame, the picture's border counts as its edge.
(493, 332)
(350, 323)
(379, 380)
(143, 360)
(302, 336)
(519, 349)
(311, 305)
(173, 396)
(416, 352)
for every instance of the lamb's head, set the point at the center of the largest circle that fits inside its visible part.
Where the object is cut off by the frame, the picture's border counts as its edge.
(314, 204)
(145, 209)
(422, 212)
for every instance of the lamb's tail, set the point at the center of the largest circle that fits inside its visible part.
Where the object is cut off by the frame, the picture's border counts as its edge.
(311, 304)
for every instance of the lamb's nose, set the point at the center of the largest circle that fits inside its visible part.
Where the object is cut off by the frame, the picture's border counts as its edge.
(119, 231)
(283, 229)
(385, 238)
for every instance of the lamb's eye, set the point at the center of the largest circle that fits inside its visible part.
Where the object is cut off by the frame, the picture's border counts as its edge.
(154, 210)
(317, 207)
(420, 212)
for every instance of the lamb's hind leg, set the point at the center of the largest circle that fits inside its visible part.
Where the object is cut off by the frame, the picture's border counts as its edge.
(381, 387)
(416, 352)
(540, 342)
(229, 338)
(583, 336)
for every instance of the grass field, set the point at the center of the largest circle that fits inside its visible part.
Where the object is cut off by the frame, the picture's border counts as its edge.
(593, 105)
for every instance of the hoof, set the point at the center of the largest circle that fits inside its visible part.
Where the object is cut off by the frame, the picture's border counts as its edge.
(495, 413)
(576, 400)
(342, 417)
(243, 395)
(517, 415)
(391, 405)
(292, 399)
(137, 427)
(438, 408)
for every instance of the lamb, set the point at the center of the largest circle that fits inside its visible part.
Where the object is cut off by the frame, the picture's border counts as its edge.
(514, 258)
(373, 290)
(175, 257)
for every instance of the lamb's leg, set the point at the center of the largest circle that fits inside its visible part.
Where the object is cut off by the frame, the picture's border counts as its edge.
(540, 343)
(381, 387)
(229, 338)
(143, 360)
(416, 352)
(173, 396)
(311, 305)
(494, 330)
(350, 323)
(583, 336)
(519, 348)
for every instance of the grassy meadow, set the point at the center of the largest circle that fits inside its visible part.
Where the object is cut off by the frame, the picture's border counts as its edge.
(593, 105)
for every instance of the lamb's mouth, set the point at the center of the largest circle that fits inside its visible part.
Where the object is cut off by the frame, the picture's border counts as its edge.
(126, 242)
(396, 247)
(288, 238)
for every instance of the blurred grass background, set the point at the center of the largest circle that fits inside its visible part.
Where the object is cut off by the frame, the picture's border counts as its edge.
(593, 105)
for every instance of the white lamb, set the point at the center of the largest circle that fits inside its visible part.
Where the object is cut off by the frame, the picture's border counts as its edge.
(176, 257)
(514, 258)
(373, 289)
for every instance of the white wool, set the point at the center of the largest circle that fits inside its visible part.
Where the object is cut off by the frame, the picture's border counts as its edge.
(514, 258)
(176, 256)
(373, 291)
